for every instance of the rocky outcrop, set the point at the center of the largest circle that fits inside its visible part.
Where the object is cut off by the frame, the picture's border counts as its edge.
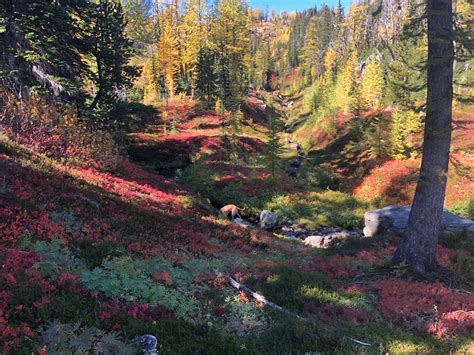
(394, 219)
(320, 241)
(328, 237)
(268, 220)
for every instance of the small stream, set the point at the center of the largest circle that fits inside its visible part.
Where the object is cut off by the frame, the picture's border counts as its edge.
(292, 170)
(319, 238)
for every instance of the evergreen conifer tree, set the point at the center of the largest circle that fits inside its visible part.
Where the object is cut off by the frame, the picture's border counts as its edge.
(274, 147)
(139, 26)
(206, 77)
(44, 46)
(112, 51)
(418, 248)
(230, 42)
(406, 76)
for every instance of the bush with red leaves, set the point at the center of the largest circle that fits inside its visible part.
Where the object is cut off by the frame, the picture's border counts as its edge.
(112, 308)
(163, 277)
(427, 307)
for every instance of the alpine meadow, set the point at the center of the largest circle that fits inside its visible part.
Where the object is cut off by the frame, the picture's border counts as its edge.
(218, 177)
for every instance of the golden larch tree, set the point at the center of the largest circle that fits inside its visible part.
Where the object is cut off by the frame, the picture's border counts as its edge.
(372, 85)
(193, 35)
(168, 58)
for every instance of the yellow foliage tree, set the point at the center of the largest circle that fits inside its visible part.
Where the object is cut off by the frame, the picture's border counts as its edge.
(355, 24)
(168, 58)
(404, 123)
(345, 91)
(330, 60)
(231, 42)
(372, 85)
(194, 33)
(150, 77)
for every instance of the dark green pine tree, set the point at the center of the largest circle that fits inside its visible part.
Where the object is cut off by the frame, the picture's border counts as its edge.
(377, 137)
(406, 75)
(235, 118)
(224, 85)
(274, 147)
(327, 20)
(43, 44)
(269, 65)
(206, 89)
(112, 51)
(139, 23)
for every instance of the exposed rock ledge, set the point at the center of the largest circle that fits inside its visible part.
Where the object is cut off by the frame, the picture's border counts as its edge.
(395, 219)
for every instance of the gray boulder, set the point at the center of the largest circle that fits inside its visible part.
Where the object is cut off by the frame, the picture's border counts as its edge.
(148, 344)
(394, 219)
(328, 237)
(268, 220)
(242, 223)
(320, 241)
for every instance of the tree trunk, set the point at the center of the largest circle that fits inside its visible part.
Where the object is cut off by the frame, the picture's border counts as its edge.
(418, 247)
(98, 96)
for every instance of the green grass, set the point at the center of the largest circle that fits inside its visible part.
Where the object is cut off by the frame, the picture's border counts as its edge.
(320, 209)
(464, 209)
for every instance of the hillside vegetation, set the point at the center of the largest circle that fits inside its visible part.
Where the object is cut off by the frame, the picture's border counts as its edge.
(125, 126)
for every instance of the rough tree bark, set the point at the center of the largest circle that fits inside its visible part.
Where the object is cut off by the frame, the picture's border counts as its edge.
(418, 247)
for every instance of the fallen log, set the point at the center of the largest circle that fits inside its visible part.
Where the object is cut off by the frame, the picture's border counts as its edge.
(262, 299)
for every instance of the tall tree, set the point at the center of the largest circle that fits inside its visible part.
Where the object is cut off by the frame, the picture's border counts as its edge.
(274, 147)
(206, 77)
(264, 65)
(354, 23)
(297, 37)
(372, 85)
(112, 51)
(406, 75)
(346, 85)
(418, 247)
(139, 23)
(193, 36)
(319, 34)
(168, 55)
(230, 41)
(151, 78)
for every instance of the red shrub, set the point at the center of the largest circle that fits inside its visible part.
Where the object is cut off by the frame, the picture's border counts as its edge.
(17, 274)
(112, 308)
(426, 306)
(346, 266)
(163, 277)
